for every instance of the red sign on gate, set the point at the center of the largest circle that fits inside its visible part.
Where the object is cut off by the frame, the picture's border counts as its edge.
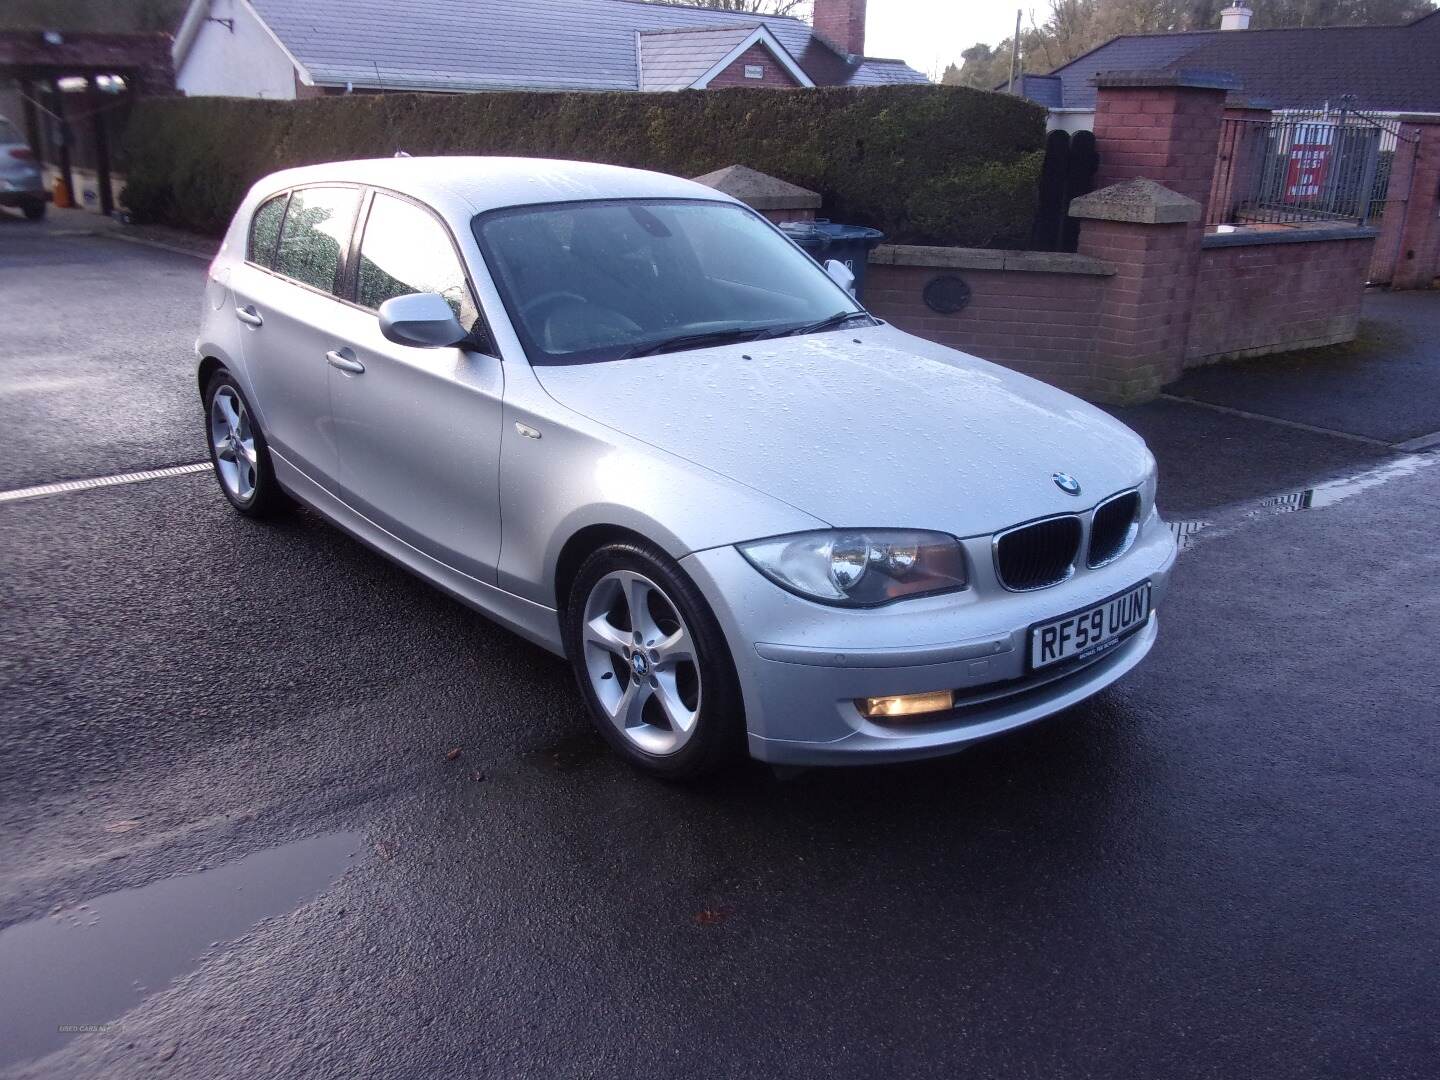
(1308, 164)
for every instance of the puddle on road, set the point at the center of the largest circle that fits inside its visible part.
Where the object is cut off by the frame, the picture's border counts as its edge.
(1189, 533)
(82, 967)
(1186, 532)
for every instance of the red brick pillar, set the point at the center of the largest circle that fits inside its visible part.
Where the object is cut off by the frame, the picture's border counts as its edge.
(1149, 234)
(1157, 135)
(1161, 126)
(1412, 238)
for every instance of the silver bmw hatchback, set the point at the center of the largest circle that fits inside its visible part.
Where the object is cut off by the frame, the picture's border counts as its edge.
(623, 415)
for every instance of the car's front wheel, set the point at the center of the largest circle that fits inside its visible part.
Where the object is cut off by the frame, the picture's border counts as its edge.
(652, 663)
(238, 450)
(34, 211)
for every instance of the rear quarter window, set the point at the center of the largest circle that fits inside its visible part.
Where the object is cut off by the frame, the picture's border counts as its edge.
(265, 230)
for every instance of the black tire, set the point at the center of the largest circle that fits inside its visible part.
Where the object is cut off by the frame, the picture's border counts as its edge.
(34, 211)
(268, 498)
(718, 737)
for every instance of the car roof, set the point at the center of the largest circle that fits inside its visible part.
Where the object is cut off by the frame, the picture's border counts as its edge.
(464, 186)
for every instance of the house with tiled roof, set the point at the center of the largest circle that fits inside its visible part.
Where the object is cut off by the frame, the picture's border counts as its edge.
(305, 48)
(1378, 69)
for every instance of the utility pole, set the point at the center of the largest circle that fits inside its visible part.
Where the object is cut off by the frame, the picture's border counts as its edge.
(1014, 52)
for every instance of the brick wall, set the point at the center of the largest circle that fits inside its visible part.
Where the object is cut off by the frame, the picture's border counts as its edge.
(776, 77)
(1117, 328)
(1149, 293)
(1417, 245)
(1040, 322)
(1255, 298)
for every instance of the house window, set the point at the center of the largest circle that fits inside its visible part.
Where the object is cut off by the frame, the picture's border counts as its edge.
(754, 71)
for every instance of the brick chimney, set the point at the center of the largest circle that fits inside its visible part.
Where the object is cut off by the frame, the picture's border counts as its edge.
(842, 23)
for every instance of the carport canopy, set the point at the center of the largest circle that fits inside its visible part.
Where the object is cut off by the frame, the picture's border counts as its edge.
(46, 65)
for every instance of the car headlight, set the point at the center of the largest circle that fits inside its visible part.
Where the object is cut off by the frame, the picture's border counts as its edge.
(860, 567)
(1147, 490)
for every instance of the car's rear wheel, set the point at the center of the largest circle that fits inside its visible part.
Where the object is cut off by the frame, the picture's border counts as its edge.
(652, 663)
(34, 211)
(238, 450)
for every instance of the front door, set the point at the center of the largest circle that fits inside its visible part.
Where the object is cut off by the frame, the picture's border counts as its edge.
(286, 297)
(418, 429)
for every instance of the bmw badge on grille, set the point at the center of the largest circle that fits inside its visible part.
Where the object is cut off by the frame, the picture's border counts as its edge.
(1066, 483)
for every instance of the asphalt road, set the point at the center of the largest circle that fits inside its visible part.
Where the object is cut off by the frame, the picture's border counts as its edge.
(1226, 866)
(1384, 385)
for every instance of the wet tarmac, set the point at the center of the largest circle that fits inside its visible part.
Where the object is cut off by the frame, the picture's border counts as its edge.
(1382, 386)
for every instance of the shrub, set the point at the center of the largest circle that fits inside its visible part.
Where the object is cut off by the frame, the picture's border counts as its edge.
(926, 164)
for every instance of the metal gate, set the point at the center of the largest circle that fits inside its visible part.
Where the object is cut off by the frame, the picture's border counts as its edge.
(1299, 167)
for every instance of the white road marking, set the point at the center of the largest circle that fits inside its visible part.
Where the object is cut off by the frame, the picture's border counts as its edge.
(40, 385)
(66, 486)
(1247, 415)
(1419, 443)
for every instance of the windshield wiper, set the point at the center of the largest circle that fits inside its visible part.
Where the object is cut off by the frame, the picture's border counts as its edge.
(694, 341)
(840, 318)
(724, 337)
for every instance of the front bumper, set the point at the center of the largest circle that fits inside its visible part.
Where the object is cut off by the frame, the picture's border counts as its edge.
(802, 665)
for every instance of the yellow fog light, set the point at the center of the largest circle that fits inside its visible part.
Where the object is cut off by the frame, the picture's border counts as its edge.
(906, 704)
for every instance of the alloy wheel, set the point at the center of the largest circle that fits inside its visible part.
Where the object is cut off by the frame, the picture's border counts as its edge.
(640, 658)
(233, 440)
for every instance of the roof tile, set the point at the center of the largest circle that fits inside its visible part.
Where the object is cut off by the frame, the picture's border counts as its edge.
(526, 44)
(1383, 68)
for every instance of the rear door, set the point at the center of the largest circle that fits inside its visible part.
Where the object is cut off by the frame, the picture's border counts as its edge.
(419, 429)
(286, 299)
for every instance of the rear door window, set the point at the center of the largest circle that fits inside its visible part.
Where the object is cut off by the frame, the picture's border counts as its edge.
(316, 233)
(265, 230)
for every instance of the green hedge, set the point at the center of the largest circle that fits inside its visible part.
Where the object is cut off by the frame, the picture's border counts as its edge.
(927, 164)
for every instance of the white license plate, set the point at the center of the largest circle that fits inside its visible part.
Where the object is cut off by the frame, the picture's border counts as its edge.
(1090, 630)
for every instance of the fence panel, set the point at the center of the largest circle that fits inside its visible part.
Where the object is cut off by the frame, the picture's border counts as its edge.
(1300, 167)
(1067, 173)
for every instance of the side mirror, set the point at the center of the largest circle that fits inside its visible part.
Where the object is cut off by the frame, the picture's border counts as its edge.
(421, 319)
(841, 274)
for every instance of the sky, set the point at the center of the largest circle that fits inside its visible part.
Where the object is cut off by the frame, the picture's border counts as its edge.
(928, 34)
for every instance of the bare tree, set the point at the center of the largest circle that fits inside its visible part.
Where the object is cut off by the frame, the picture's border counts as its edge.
(798, 8)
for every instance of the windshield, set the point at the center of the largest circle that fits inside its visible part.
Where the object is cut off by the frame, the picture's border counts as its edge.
(606, 280)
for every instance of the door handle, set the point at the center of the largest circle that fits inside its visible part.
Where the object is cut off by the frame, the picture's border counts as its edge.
(345, 360)
(249, 316)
